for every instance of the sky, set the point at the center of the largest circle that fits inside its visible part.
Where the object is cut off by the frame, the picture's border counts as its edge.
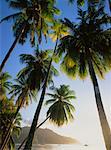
(86, 126)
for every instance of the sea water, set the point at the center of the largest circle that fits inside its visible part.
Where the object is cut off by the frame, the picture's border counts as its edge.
(67, 147)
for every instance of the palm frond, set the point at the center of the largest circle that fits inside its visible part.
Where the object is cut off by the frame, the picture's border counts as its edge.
(50, 101)
(61, 110)
(19, 4)
(26, 58)
(13, 16)
(90, 33)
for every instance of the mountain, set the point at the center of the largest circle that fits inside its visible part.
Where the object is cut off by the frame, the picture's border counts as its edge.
(45, 136)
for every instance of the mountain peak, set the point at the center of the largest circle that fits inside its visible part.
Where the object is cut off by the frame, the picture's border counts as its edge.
(45, 136)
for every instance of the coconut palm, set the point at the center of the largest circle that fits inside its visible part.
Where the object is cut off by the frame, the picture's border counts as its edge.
(32, 19)
(61, 109)
(59, 104)
(23, 94)
(5, 85)
(30, 80)
(8, 109)
(36, 68)
(59, 31)
(87, 51)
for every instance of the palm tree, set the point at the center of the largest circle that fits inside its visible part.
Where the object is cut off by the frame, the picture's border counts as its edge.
(30, 80)
(5, 85)
(33, 19)
(23, 94)
(36, 68)
(86, 50)
(61, 109)
(59, 104)
(8, 109)
(59, 31)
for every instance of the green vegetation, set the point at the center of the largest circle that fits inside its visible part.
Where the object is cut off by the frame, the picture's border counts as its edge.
(61, 109)
(59, 31)
(83, 48)
(7, 110)
(5, 85)
(87, 51)
(33, 20)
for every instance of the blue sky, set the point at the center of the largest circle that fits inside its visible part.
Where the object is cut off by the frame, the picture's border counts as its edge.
(86, 123)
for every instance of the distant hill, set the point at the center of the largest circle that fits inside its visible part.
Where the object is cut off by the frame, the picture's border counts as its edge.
(45, 136)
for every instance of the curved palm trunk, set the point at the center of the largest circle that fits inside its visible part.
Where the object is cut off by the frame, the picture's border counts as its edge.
(36, 129)
(29, 141)
(7, 134)
(102, 116)
(12, 47)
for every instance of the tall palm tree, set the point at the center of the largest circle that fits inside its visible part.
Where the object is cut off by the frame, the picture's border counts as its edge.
(23, 94)
(8, 109)
(5, 84)
(59, 31)
(61, 109)
(30, 80)
(87, 50)
(32, 19)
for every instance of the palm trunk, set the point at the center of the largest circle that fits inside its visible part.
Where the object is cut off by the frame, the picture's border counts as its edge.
(29, 141)
(109, 2)
(7, 135)
(12, 48)
(36, 129)
(102, 116)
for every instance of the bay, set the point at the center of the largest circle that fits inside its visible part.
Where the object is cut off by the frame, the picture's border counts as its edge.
(66, 147)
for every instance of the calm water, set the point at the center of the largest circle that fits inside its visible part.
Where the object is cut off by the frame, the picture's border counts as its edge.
(66, 147)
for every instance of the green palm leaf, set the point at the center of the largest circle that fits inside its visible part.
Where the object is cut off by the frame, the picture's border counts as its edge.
(61, 110)
(5, 84)
(87, 32)
(7, 111)
(13, 16)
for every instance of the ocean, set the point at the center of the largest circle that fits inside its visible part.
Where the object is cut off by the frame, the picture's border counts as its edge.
(66, 147)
